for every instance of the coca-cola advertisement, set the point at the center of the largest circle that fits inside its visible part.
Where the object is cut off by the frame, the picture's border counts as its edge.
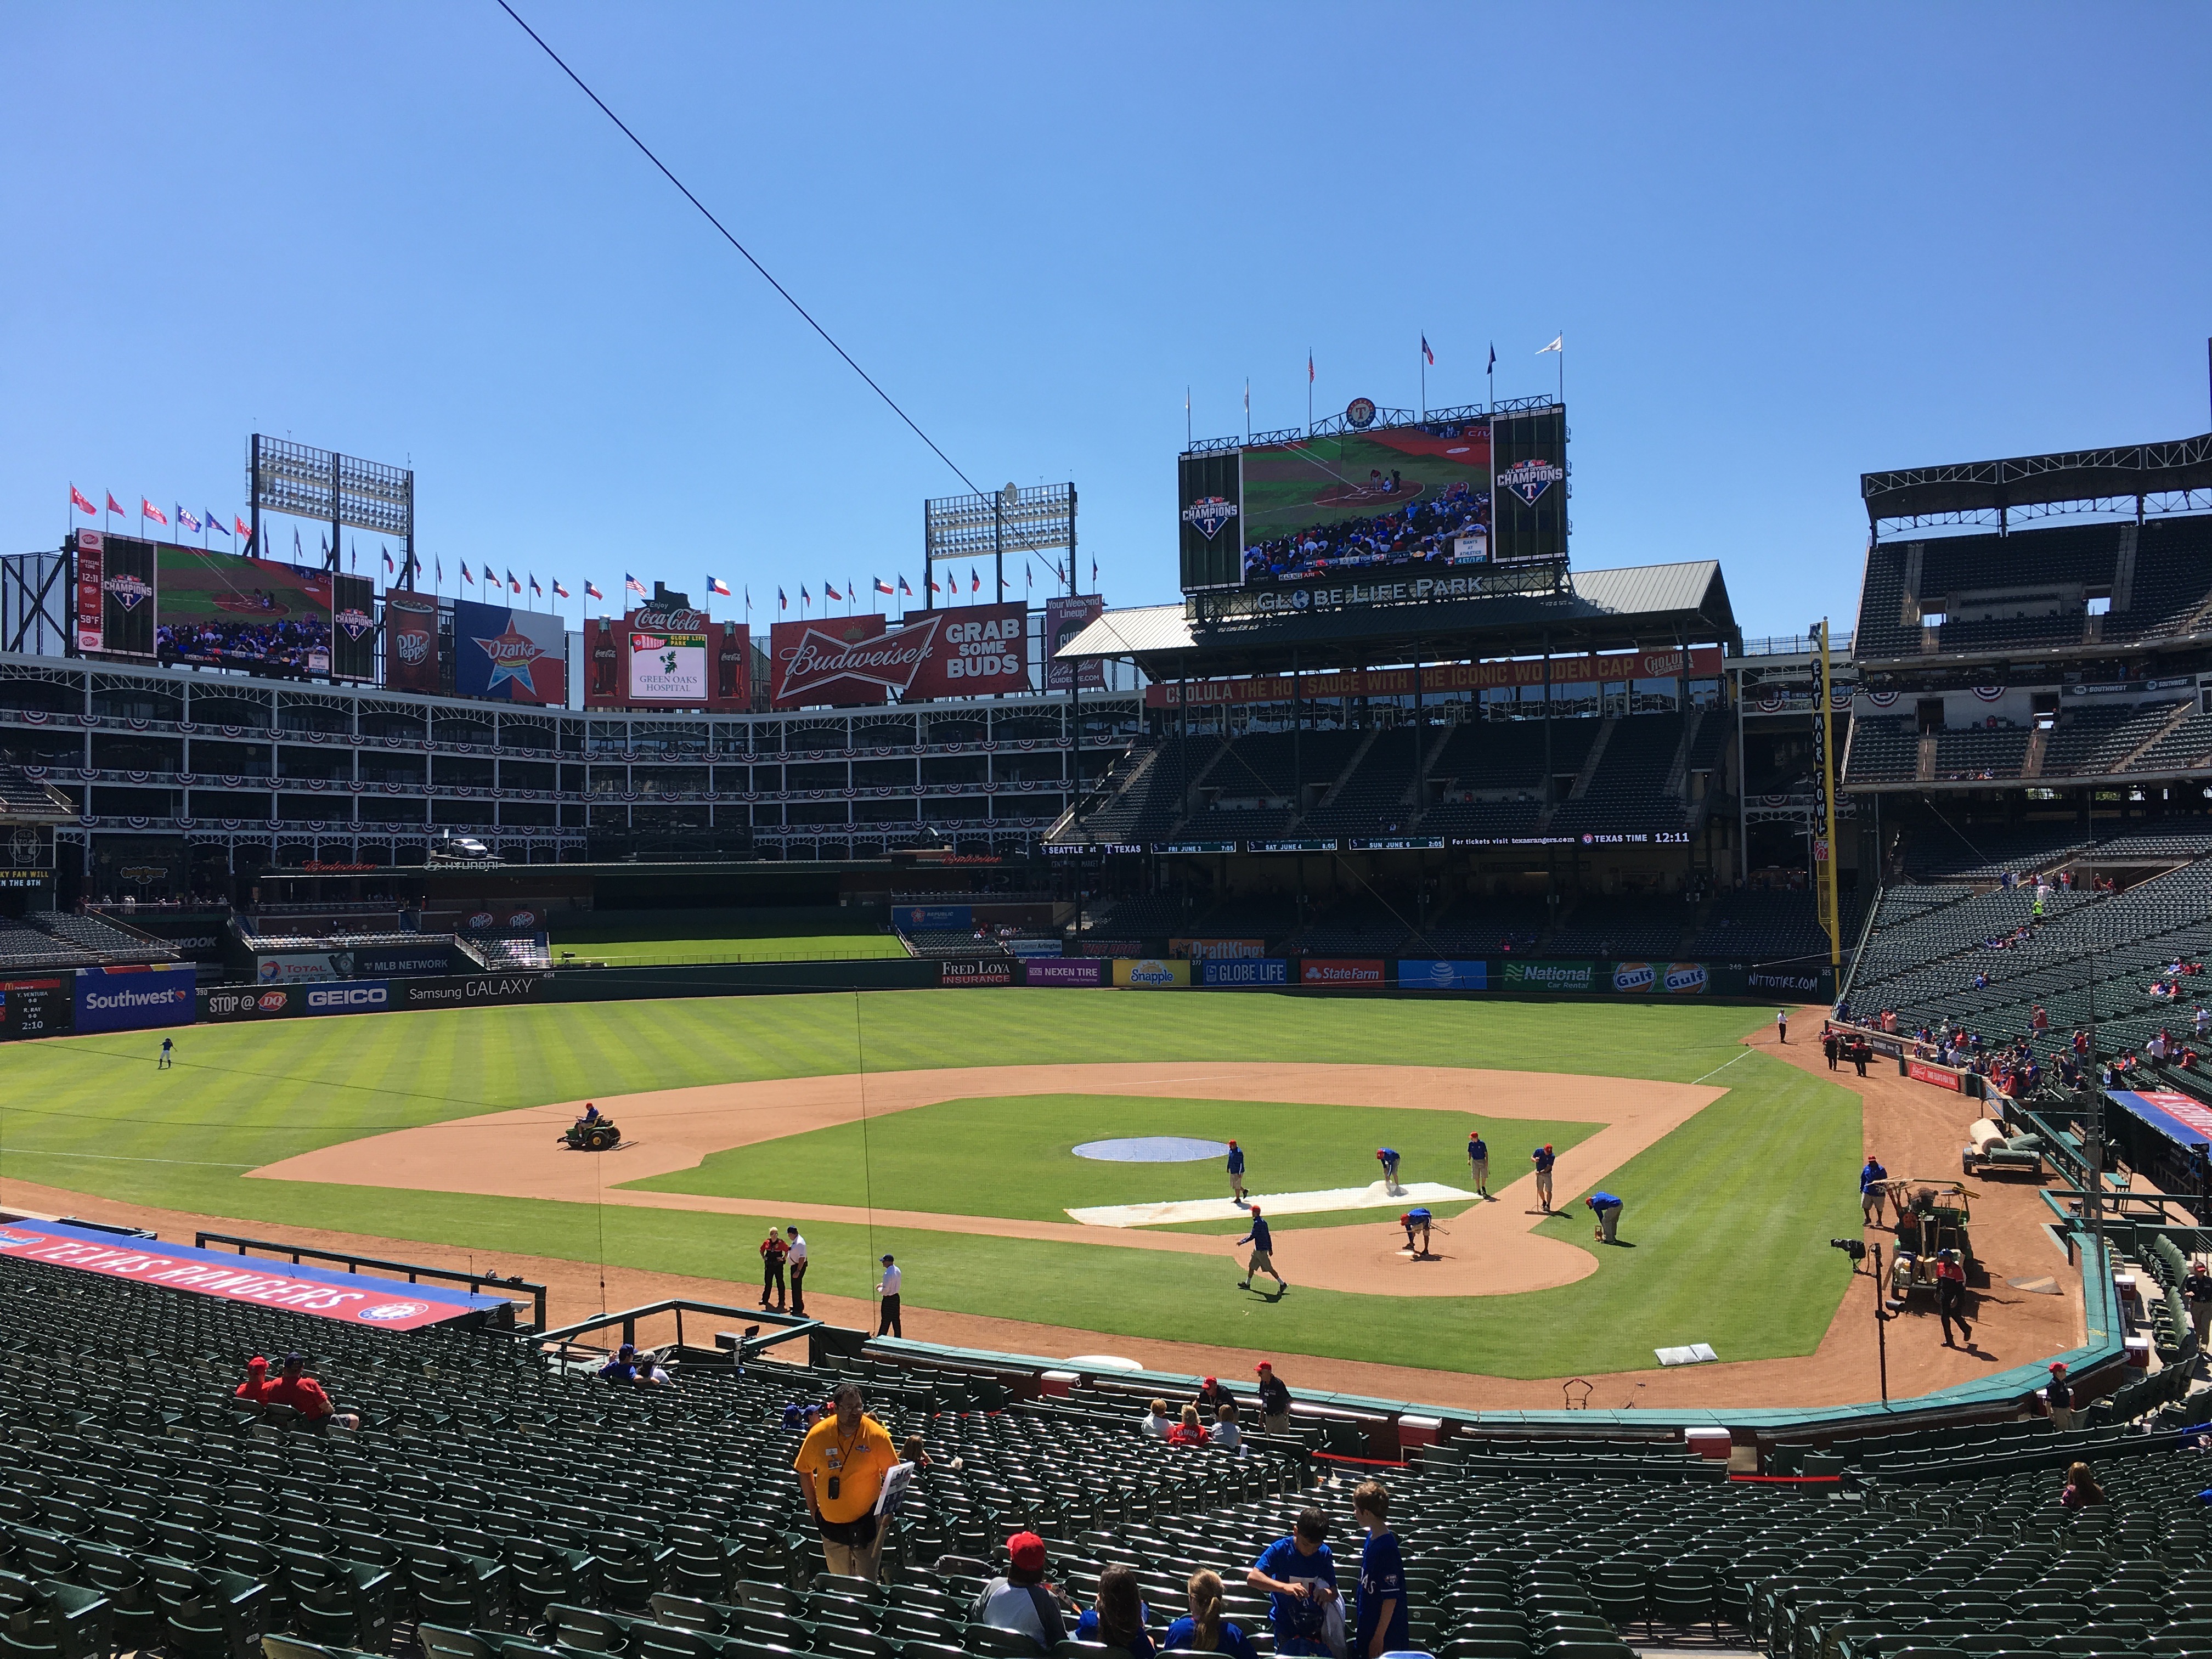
(411, 641)
(846, 661)
(667, 656)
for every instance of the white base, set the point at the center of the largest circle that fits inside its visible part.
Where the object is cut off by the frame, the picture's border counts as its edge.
(1373, 1196)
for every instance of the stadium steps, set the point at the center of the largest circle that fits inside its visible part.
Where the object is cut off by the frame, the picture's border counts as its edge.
(1677, 774)
(1593, 760)
(2039, 744)
(1924, 768)
(2181, 712)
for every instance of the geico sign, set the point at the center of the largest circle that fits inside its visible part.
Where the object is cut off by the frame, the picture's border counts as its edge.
(337, 997)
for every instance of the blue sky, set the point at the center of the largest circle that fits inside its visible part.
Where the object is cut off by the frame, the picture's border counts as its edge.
(1785, 245)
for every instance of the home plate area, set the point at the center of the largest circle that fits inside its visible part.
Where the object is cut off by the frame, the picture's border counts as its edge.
(1373, 1196)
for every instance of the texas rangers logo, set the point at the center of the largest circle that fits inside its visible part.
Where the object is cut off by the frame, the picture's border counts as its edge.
(391, 1310)
(127, 590)
(1208, 513)
(1529, 479)
(355, 621)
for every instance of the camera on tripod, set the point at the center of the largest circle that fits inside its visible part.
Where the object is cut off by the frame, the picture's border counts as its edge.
(1853, 1248)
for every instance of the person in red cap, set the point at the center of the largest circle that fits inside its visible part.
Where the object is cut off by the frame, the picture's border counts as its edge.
(255, 1389)
(1274, 1400)
(1212, 1397)
(1020, 1599)
(2058, 1396)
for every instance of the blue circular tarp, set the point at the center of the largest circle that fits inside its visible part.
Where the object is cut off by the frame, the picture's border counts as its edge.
(1152, 1149)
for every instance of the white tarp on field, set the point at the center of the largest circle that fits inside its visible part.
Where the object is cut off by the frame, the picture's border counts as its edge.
(1373, 1196)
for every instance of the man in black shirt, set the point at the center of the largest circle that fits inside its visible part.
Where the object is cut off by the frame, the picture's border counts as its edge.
(2196, 1290)
(1274, 1400)
(2059, 1397)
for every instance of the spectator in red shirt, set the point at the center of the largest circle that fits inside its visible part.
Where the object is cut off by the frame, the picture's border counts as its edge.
(1188, 1431)
(305, 1396)
(255, 1389)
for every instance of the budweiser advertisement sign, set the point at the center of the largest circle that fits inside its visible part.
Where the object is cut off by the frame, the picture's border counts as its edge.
(970, 652)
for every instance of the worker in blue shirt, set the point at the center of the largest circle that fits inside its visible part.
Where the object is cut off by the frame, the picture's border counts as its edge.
(1543, 1159)
(1387, 1157)
(1478, 1163)
(1237, 1174)
(1606, 1208)
(1380, 1615)
(1263, 1254)
(1871, 1191)
(1416, 1224)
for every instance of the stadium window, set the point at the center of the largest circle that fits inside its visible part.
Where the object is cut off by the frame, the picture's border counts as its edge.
(1933, 618)
(2098, 601)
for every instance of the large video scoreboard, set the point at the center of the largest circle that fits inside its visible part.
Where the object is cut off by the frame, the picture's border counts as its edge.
(1362, 500)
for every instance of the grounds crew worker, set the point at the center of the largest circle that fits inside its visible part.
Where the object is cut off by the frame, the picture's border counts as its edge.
(1416, 1222)
(1274, 1400)
(1235, 1174)
(1606, 1208)
(2197, 1290)
(1543, 1160)
(841, 1465)
(1263, 1254)
(1478, 1162)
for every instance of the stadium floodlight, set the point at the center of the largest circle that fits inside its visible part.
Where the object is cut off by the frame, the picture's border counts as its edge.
(334, 489)
(996, 523)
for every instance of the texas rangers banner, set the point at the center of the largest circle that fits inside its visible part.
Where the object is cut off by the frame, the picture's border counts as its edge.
(511, 656)
(349, 1298)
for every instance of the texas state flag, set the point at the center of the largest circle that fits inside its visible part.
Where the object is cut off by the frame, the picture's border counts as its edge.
(559, 592)
(592, 592)
(716, 585)
(883, 587)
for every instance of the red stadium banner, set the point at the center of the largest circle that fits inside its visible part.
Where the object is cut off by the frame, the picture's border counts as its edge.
(1703, 662)
(1941, 1076)
(351, 1298)
(91, 567)
(666, 657)
(411, 641)
(1326, 970)
(848, 661)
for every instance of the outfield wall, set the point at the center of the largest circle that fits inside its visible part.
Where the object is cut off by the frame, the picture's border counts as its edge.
(120, 999)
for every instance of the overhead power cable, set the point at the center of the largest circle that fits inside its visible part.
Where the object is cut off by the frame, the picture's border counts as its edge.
(646, 150)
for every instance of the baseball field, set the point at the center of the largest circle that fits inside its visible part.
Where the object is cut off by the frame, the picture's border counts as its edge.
(939, 1126)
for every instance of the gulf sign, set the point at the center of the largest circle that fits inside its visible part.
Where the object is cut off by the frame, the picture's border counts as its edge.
(1671, 978)
(351, 1298)
(845, 661)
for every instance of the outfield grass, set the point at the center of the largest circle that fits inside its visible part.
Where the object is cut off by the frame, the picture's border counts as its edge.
(1730, 1215)
(710, 935)
(1012, 1156)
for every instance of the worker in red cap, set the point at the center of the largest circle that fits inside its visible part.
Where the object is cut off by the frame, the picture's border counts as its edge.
(1212, 1397)
(1387, 1157)
(1274, 1400)
(1020, 1599)
(1237, 1174)
(2058, 1396)
(1543, 1160)
(1262, 1259)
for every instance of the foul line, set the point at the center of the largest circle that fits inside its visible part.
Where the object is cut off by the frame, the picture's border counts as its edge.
(1718, 1069)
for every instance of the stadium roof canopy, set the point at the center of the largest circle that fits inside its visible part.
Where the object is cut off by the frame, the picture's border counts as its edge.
(1650, 606)
(2119, 473)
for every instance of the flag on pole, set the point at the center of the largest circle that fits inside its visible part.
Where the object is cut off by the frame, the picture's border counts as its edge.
(592, 591)
(782, 601)
(296, 553)
(804, 597)
(512, 583)
(632, 585)
(112, 505)
(215, 523)
(716, 585)
(438, 566)
(829, 593)
(1029, 577)
(883, 587)
(933, 587)
(534, 587)
(1559, 344)
(559, 592)
(147, 510)
(239, 525)
(185, 521)
(467, 578)
(749, 599)
(386, 551)
(77, 500)
(903, 589)
(974, 582)
(1427, 355)
(1309, 368)
(1492, 369)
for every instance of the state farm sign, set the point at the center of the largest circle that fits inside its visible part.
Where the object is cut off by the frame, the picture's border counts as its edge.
(846, 661)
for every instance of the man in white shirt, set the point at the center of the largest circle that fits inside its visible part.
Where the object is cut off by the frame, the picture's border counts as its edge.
(888, 1289)
(797, 1257)
(1020, 1599)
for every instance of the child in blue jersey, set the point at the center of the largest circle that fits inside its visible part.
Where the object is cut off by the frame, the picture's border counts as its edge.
(1299, 1576)
(1380, 1625)
(1203, 1630)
